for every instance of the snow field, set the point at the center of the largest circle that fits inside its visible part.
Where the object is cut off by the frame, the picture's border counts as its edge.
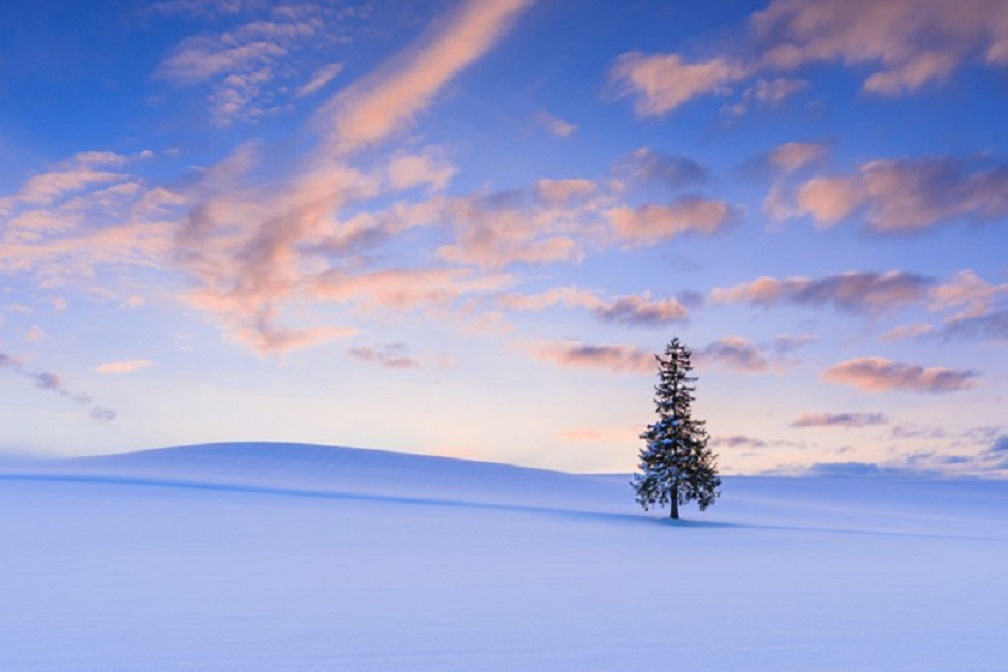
(269, 557)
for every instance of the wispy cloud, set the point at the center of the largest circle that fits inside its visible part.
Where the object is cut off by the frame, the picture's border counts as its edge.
(878, 374)
(787, 343)
(555, 125)
(840, 420)
(612, 358)
(738, 441)
(74, 175)
(906, 331)
(247, 68)
(633, 310)
(735, 353)
(389, 356)
(647, 167)
(320, 79)
(793, 156)
(559, 192)
(993, 325)
(765, 93)
(853, 291)
(387, 101)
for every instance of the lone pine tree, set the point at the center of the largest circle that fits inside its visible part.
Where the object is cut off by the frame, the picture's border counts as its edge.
(676, 464)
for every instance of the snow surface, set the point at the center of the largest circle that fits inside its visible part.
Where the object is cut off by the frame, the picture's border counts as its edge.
(294, 557)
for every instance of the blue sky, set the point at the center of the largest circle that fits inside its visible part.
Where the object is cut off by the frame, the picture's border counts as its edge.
(463, 228)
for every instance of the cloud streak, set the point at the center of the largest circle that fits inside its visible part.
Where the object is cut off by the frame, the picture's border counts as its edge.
(612, 358)
(371, 110)
(634, 310)
(840, 420)
(52, 382)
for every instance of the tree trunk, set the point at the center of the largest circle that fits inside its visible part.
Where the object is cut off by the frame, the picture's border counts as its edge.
(674, 504)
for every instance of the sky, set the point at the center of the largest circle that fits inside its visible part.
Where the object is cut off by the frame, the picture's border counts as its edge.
(464, 228)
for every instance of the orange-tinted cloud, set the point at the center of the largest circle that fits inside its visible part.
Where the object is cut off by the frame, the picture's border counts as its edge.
(878, 374)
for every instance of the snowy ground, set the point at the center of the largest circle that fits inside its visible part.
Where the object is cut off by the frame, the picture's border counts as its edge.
(286, 557)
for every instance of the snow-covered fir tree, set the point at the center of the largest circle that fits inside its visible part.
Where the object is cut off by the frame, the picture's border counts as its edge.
(676, 465)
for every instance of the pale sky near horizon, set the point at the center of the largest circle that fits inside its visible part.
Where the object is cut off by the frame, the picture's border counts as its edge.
(464, 228)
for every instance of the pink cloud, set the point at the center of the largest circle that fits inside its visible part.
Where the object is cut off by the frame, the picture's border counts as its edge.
(904, 195)
(492, 234)
(878, 374)
(968, 293)
(412, 170)
(123, 366)
(906, 331)
(662, 82)
(907, 43)
(558, 192)
(653, 223)
(793, 156)
(406, 288)
(320, 79)
(369, 111)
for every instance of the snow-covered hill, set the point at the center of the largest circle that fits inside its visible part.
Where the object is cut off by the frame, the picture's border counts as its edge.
(287, 556)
